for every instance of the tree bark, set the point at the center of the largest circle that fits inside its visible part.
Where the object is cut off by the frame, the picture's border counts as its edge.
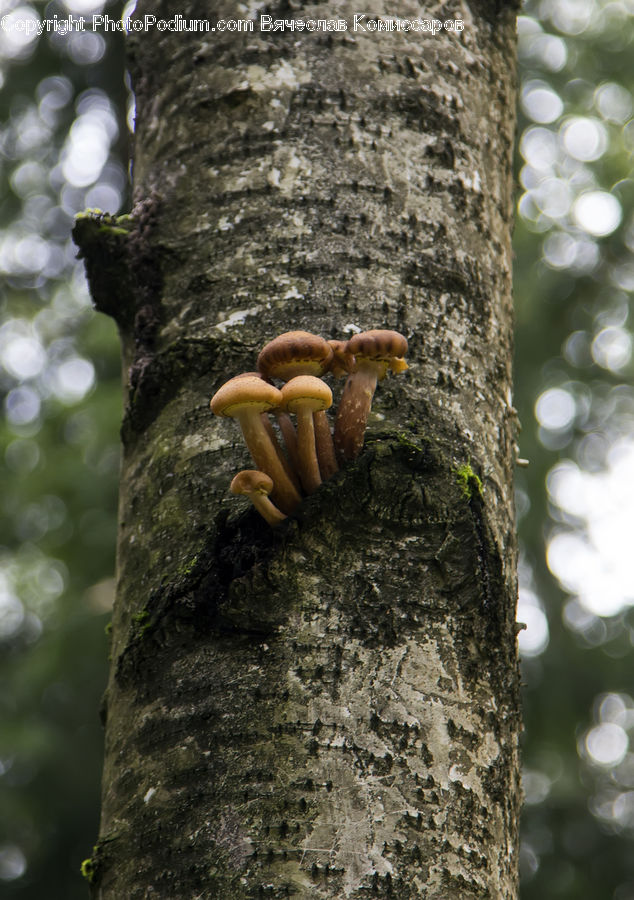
(329, 708)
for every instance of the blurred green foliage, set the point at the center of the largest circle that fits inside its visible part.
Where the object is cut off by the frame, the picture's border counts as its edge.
(574, 277)
(63, 147)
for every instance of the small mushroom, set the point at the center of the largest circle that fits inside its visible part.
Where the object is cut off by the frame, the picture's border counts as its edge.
(302, 353)
(257, 486)
(288, 431)
(375, 352)
(305, 395)
(245, 398)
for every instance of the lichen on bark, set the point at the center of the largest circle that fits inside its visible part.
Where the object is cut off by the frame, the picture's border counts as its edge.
(328, 708)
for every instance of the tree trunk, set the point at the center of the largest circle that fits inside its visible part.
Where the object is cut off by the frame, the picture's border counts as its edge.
(329, 708)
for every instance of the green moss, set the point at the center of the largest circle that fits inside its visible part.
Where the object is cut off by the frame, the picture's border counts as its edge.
(468, 480)
(111, 229)
(90, 214)
(108, 629)
(88, 870)
(189, 566)
(142, 622)
(105, 223)
(405, 441)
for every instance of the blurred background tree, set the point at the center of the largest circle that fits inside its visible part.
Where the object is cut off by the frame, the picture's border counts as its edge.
(65, 111)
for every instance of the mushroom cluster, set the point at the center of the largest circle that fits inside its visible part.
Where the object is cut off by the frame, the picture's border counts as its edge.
(312, 452)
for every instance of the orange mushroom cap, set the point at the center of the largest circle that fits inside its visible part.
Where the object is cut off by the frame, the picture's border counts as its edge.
(306, 391)
(245, 391)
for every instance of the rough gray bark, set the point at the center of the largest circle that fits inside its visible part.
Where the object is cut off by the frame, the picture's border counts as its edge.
(329, 709)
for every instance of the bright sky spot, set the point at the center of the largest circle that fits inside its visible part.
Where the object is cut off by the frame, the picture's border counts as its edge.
(86, 151)
(12, 862)
(594, 559)
(105, 197)
(22, 356)
(565, 251)
(577, 618)
(555, 409)
(84, 7)
(612, 348)
(597, 212)
(54, 92)
(536, 786)
(540, 148)
(617, 708)
(614, 102)
(623, 809)
(18, 34)
(606, 744)
(131, 113)
(31, 253)
(583, 138)
(85, 47)
(540, 102)
(570, 16)
(553, 196)
(31, 131)
(547, 50)
(532, 640)
(28, 178)
(73, 379)
(560, 250)
(551, 51)
(22, 405)
(48, 578)
(11, 614)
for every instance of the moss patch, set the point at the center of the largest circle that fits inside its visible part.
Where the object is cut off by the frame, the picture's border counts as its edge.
(88, 870)
(470, 483)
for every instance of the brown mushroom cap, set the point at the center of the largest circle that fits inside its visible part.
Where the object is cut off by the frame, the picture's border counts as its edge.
(381, 347)
(308, 392)
(342, 360)
(294, 353)
(375, 352)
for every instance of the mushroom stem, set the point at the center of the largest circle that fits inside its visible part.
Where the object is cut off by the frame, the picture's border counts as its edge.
(267, 509)
(354, 408)
(290, 436)
(290, 465)
(265, 458)
(257, 486)
(304, 395)
(325, 448)
(306, 450)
